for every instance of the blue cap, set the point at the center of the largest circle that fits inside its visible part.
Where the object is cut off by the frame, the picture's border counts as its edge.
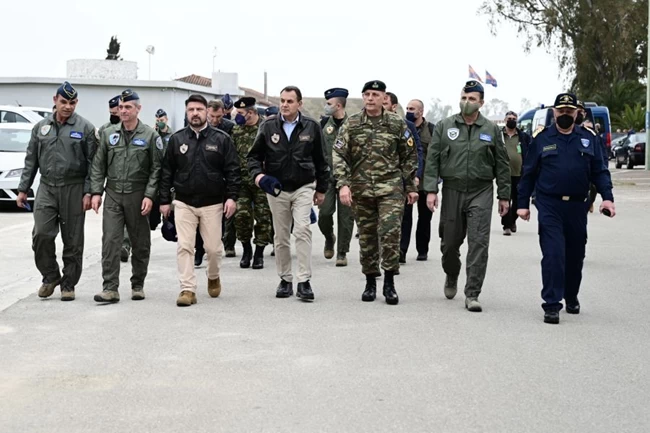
(474, 86)
(168, 229)
(336, 92)
(272, 110)
(114, 102)
(129, 95)
(227, 101)
(161, 113)
(67, 91)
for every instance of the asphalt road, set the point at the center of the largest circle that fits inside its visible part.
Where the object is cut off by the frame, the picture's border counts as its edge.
(248, 362)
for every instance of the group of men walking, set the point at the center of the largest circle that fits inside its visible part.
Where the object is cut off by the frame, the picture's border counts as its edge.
(371, 167)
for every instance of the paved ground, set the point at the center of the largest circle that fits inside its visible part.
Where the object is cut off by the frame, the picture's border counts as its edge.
(248, 362)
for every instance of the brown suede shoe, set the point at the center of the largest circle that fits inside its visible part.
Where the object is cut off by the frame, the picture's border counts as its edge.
(67, 294)
(186, 298)
(46, 289)
(214, 287)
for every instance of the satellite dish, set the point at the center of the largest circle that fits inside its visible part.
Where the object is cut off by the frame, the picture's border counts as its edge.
(151, 49)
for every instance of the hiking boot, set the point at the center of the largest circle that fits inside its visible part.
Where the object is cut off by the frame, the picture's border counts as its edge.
(328, 251)
(111, 296)
(231, 253)
(341, 260)
(370, 293)
(124, 255)
(47, 288)
(258, 258)
(472, 304)
(214, 287)
(552, 317)
(573, 308)
(137, 294)
(507, 232)
(246, 257)
(67, 294)
(186, 298)
(451, 286)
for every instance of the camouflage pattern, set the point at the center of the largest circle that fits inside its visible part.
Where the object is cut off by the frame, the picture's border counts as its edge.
(253, 212)
(378, 162)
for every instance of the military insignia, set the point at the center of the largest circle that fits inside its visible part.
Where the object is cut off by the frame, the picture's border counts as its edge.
(453, 133)
(304, 137)
(76, 134)
(113, 139)
(585, 142)
(549, 147)
(409, 142)
(407, 133)
(375, 85)
(275, 138)
(338, 144)
(159, 143)
(45, 129)
(212, 147)
(139, 142)
(183, 148)
(329, 129)
(485, 137)
(565, 98)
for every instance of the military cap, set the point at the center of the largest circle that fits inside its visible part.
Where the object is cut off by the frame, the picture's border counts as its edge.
(245, 102)
(129, 95)
(227, 101)
(380, 86)
(114, 102)
(580, 104)
(168, 229)
(271, 111)
(161, 113)
(336, 92)
(474, 86)
(67, 91)
(566, 100)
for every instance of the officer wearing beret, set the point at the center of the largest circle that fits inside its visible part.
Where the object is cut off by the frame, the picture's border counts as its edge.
(253, 213)
(162, 127)
(562, 160)
(336, 99)
(467, 152)
(61, 148)
(129, 160)
(374, 166)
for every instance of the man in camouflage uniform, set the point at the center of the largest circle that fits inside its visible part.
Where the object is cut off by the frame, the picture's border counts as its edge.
(61, 148)
(335, 117)
(253, 211)
(374, 163)
(129, 159)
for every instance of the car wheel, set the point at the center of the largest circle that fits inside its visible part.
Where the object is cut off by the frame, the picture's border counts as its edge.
(630, 164)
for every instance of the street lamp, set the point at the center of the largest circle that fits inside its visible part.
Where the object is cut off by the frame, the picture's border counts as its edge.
(151, 50)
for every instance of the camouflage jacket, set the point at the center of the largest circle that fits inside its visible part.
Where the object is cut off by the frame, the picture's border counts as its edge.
(375, 160)
(244, 136)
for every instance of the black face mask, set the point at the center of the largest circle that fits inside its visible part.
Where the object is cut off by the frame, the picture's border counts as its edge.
(114, 119)
(564, 121)
(579, 119)
(511, 124)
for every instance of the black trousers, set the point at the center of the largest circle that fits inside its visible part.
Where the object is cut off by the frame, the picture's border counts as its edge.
(423, 229)
(510, 218)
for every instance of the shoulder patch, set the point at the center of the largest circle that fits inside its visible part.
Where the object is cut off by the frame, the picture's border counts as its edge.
(539, 129)
(590, 130)
(159, 143)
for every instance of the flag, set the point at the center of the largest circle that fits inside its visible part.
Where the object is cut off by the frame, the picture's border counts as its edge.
(489, 79)
(473, 75)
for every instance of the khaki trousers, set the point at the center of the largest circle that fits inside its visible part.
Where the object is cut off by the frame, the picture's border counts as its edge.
(208, 220)
(287, 208)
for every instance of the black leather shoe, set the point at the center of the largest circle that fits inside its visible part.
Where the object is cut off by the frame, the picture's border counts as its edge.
(370, 294)
(422, 257)
(198, 258)
(402, 256)
(304, 291)
(552, 317)
(258, 258)
(390, 294)
(246, 257)
(285, 289)
(573, 308)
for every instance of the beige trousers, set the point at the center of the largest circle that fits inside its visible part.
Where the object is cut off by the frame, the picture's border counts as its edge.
(287, 209)
(208, 219)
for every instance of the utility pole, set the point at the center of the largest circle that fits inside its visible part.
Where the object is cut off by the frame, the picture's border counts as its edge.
(647, 98)
(214, 58)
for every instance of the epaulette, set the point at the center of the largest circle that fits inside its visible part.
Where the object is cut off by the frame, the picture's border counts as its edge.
(590, 130)
(539, 129)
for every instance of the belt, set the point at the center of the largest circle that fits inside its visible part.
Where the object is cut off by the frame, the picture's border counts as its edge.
(578, 198)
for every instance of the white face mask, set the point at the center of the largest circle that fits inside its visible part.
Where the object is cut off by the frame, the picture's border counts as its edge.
(329, 110)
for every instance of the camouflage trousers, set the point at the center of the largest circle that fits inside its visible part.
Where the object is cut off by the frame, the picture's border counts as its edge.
(379, 221)
(253, 214)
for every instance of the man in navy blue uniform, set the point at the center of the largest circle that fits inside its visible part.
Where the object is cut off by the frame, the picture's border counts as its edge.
(561, 162)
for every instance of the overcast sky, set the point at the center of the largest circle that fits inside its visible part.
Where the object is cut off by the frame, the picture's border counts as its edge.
(419, 48)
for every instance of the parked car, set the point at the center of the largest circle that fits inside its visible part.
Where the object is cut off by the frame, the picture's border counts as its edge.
(632, 151)
(14, 138)
(41, 111)
(14, 114)
(616, 143)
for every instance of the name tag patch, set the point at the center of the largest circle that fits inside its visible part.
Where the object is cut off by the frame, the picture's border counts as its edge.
(549, 147)
(485, 137)
(139, 142)
(76, 134)
(212, 147)
(304, 138)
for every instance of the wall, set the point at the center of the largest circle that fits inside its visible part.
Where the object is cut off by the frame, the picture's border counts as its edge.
(102, 69)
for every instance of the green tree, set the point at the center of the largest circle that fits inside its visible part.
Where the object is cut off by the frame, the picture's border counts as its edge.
(632, 117)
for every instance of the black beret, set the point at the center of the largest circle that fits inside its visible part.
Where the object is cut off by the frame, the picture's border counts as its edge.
(67, 91)
(161, 113)
(474, 86)
(566, 100)
(336, 92)
(245, 102)
(114, 102)
(377, 85)
(129, 95)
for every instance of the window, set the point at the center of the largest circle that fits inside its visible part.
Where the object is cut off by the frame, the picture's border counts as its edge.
(11, 117)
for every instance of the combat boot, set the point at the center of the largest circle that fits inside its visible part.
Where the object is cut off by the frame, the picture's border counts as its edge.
(258, 258)
(67, 294)
(47, 288)
(472, 304)
(137, 293)
(552, 317)
(230, 252)
(341, 260)
(305, 292)
(328, 251)
(186, 298)
(124, 255)
(451, 286)
(389, 289)
(214, 287)
(246, 256)
(370, 294)
(111, 296)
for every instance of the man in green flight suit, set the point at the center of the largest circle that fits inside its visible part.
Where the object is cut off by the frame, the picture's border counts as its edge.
(467, 152)
(335, 111)
(129, 157)
(253, 212)
(61, 148)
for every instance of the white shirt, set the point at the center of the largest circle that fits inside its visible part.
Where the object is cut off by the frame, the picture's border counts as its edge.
(289, 126)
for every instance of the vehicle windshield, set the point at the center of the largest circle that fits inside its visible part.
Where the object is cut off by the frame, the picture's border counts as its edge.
(14, 140)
